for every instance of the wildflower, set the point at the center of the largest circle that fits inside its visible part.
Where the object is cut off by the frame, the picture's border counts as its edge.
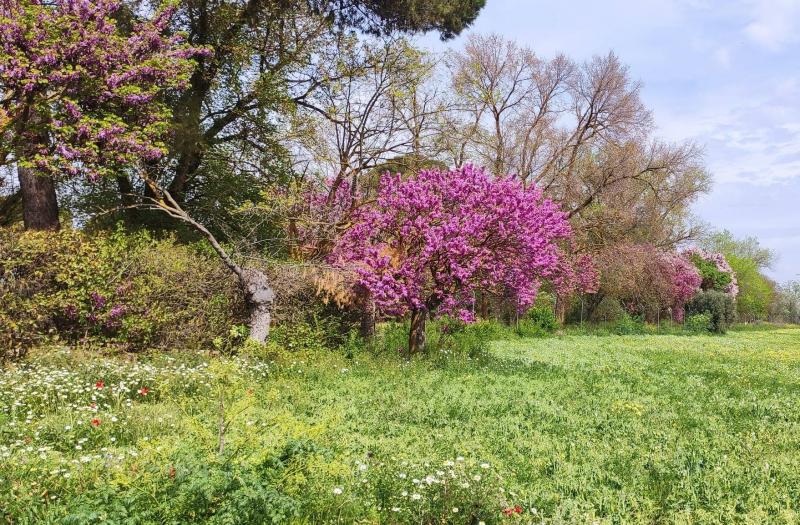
(484, 465)
(476, 477)
(99, 385)
(416, 496)
(143, 391)
(395, 509)
(455, 510)
(404, 493)
(172, 472)
(337, 490)
(95, 422)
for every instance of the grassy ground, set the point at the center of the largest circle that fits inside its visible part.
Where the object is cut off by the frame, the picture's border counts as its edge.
(633, 429)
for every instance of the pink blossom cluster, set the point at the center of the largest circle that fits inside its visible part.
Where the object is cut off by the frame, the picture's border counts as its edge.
(721, 265)
(79, 97)
(683, 278)
(430, 241)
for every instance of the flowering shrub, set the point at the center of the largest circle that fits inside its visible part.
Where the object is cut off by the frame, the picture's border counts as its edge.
(430, 241)
(125, 290)
(715, 271)
(457, 490)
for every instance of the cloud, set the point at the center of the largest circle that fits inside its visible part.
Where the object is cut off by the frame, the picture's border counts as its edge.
(775, 23)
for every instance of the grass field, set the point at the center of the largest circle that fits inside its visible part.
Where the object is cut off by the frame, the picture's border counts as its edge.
(578, 429)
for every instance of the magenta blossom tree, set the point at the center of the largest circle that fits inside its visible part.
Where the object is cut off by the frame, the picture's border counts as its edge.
(428, 242)
(79, 98)
(683, 281)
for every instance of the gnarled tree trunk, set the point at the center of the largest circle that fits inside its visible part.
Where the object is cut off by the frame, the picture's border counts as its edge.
(258, 294)
(39, 201)
(258, 297)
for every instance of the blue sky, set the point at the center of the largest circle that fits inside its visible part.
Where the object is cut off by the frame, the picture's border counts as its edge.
(723, 73)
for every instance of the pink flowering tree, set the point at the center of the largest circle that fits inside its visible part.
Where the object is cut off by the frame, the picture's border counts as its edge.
(428, 242)
(648, 280)
(682, 282)
(714, 270)
(79, 98)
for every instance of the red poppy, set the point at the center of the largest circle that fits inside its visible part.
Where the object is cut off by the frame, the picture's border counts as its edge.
(509, 511)
(144, 391)
(95, 422)
(99, 385)
(172, 472)
(517, 509)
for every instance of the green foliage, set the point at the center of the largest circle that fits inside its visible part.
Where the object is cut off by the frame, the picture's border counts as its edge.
(756, 292)
(608, 310)
(542, 317)
(628, 325)
(698, 323)
(720, 307)
(129, 291)
(556, 426)
(713, 278)
(298, 337)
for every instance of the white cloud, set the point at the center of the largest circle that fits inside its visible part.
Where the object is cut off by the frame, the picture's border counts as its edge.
(775, 23)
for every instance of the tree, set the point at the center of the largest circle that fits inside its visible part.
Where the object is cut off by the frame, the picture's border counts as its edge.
(748, 259)
(748, 247)
(268, 57)
(756, 292)
(715, 271)
(79, 99)
(647, 280)
(87, 101)
(786, 307)
(430, 240)
(581, 133)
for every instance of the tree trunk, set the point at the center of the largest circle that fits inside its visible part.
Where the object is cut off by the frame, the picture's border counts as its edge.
(39, 201)
(258, 297)
(366, 327)
(416, 336)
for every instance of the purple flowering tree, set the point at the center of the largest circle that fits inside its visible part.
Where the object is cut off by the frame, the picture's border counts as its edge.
(428, 242)
(79, 98)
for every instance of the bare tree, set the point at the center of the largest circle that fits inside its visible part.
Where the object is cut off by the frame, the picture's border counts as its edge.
(580, 132)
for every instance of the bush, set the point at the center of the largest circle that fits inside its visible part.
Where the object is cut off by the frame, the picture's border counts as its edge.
(719, 306)
(627, 325)
(127, 291)
(608, 310)
(698, 323)
(543, 318)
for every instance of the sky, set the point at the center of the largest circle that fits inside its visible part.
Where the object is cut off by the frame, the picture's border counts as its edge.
(723, 73)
